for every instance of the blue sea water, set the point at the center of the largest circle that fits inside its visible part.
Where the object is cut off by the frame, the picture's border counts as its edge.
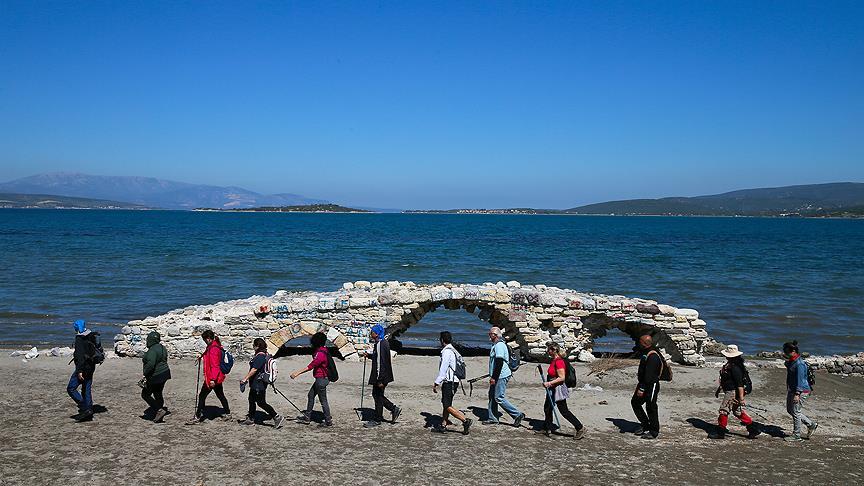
(756, 281)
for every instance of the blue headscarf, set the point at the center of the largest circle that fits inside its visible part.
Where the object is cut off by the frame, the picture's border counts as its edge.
(80, 326)
(378, 329)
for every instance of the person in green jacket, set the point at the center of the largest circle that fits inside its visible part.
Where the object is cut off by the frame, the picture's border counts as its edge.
(156, 373)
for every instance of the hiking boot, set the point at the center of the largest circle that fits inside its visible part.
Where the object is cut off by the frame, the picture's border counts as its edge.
(395, 414)
(226, 417)
(650, 435)
(466, 425)
(718, 434)
(247, 421)
(639, 430)
(160, 415)
(303, 419)
(810, 429)
(197, 419)
(277, 421)
(545, 432)
(372, 423)
(793, 438)
(326, 423)
(518, 421)
(85, 416)
(579, 434)
(489, 422)
(753, 431)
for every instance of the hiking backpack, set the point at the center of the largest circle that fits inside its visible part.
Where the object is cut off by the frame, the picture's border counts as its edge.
(269, 372)
(226, 363)
(513, 359)
(569, 374)
(332, 372)
(97, 354)
(459, 371)
(748, 383)
(665, 369)
(811, 375)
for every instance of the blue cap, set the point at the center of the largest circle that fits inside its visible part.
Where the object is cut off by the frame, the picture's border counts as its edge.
(379, 331)
(80, 326)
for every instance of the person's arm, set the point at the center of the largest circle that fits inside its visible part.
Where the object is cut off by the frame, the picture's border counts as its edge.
(442, 370)
(738, 378)
(318, 360)
(559, 372)
(652, 372)
(497, 366)
(149, 362)
(249, 375)
(801, 377)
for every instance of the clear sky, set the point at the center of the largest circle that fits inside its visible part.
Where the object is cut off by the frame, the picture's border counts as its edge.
(438, 104)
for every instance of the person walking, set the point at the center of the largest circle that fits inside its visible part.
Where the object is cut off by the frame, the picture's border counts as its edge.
(798, 390)
(84, 357)
(449, 382)
(555, 383)
(380, 377)
(156, 373)
(499, 376)
(213, 377)
(258, 386)
(733, 383)
(648, 388)
(318, 367)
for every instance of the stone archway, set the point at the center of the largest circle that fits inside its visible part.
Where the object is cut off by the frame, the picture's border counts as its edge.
(529, 315)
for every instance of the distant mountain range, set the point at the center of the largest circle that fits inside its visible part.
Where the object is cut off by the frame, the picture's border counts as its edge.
(47, 201)
(840, 199)
(149, 191)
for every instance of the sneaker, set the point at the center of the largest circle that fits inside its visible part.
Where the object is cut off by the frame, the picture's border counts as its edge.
(277, 421)
(226, 417)
(326, 423)
(489, 422)
(793, 438)
(160, 415)
(649, 435)
(195, 420)
(753, 431)
(439, 429)
(85, 416)
(247, 421)
(810, 429)
(579, 434)
(639, 430)
(372, 423)
(303, 419)
(518, 421)
(466, 425)
(395, 414)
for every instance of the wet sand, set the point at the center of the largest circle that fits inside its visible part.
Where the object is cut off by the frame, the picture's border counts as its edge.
(41, 444)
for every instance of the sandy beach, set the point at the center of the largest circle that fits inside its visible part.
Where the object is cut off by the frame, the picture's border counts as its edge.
(41, 444)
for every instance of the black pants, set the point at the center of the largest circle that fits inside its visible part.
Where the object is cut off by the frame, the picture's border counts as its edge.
(259, 398)
(220, 394)
(649, 399)
(381, 402)
(152, 394)
(565, 412)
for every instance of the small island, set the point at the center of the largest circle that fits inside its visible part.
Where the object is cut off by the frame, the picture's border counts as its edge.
(308, 208)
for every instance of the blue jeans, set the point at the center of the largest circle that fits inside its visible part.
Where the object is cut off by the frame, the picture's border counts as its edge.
(496, 397)
(85, 398)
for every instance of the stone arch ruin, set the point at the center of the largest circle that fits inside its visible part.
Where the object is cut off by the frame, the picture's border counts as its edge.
(529, 315)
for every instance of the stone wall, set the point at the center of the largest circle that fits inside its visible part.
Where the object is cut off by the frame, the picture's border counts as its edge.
(853, 364)
(529, 315)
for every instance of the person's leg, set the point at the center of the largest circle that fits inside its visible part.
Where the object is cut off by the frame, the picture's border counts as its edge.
(158, 399)
(220, 394)
(147, 396)
(636, 403)
(388, 405)
(322, 383)
(253, 397)
(378, 397)
(72, 390)
(310, 400)
(547, 414)
(651, 408)
(87, 394)
(794, 409)
(202, 399)
(500, 398)
(492, 409)
(261, 400)
(567, 414)
(804, 418)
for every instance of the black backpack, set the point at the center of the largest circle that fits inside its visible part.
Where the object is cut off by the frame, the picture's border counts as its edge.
(513, 359)
(96, 354)
(811, 375)
(332, 372)
(748, 384)
(569, 374)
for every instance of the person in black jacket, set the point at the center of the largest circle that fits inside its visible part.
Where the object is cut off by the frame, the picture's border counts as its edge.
(650, 365)
(82, 377)
(381, 375)
(732, 383)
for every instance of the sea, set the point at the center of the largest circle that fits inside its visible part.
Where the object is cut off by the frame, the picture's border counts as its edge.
(757, 282)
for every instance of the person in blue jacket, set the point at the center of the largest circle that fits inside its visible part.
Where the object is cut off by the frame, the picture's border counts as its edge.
(798, 390)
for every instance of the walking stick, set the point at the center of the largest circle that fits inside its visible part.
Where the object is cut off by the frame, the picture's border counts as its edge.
(549, 397)
(286, 398)
(362, 389)
(472, 381)
(197, 384)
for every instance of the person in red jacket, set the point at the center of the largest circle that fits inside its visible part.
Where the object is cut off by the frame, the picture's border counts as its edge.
(211, 361)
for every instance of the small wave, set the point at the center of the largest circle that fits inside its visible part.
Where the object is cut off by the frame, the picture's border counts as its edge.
(26, 315)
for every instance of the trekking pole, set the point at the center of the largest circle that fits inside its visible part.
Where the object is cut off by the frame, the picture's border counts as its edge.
(197, 384)
(362, 389)
(472, 381)
(286, 398)
(549, 396)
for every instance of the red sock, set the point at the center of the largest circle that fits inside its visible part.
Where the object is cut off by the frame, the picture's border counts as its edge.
(723, 420)
(745, 419)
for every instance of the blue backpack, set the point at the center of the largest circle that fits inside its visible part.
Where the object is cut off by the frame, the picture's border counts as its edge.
(226, 363)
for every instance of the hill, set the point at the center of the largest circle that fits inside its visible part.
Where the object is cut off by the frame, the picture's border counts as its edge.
(306, 208)
(47, 201)
(803, 200)
(149, 191)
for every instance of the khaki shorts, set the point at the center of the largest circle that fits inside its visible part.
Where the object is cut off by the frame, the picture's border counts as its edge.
(730, 404)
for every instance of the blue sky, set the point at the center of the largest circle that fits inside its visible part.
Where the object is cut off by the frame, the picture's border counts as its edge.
(438, 104)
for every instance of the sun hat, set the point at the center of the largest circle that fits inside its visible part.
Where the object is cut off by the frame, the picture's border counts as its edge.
(731, 351)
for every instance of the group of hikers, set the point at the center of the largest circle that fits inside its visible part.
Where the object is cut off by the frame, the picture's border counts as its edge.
(734, 383)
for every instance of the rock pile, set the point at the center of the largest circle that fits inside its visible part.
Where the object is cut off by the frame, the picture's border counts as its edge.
(853, 364)
(529, 315)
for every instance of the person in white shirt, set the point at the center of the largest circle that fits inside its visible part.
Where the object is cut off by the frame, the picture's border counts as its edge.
(448, 382)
